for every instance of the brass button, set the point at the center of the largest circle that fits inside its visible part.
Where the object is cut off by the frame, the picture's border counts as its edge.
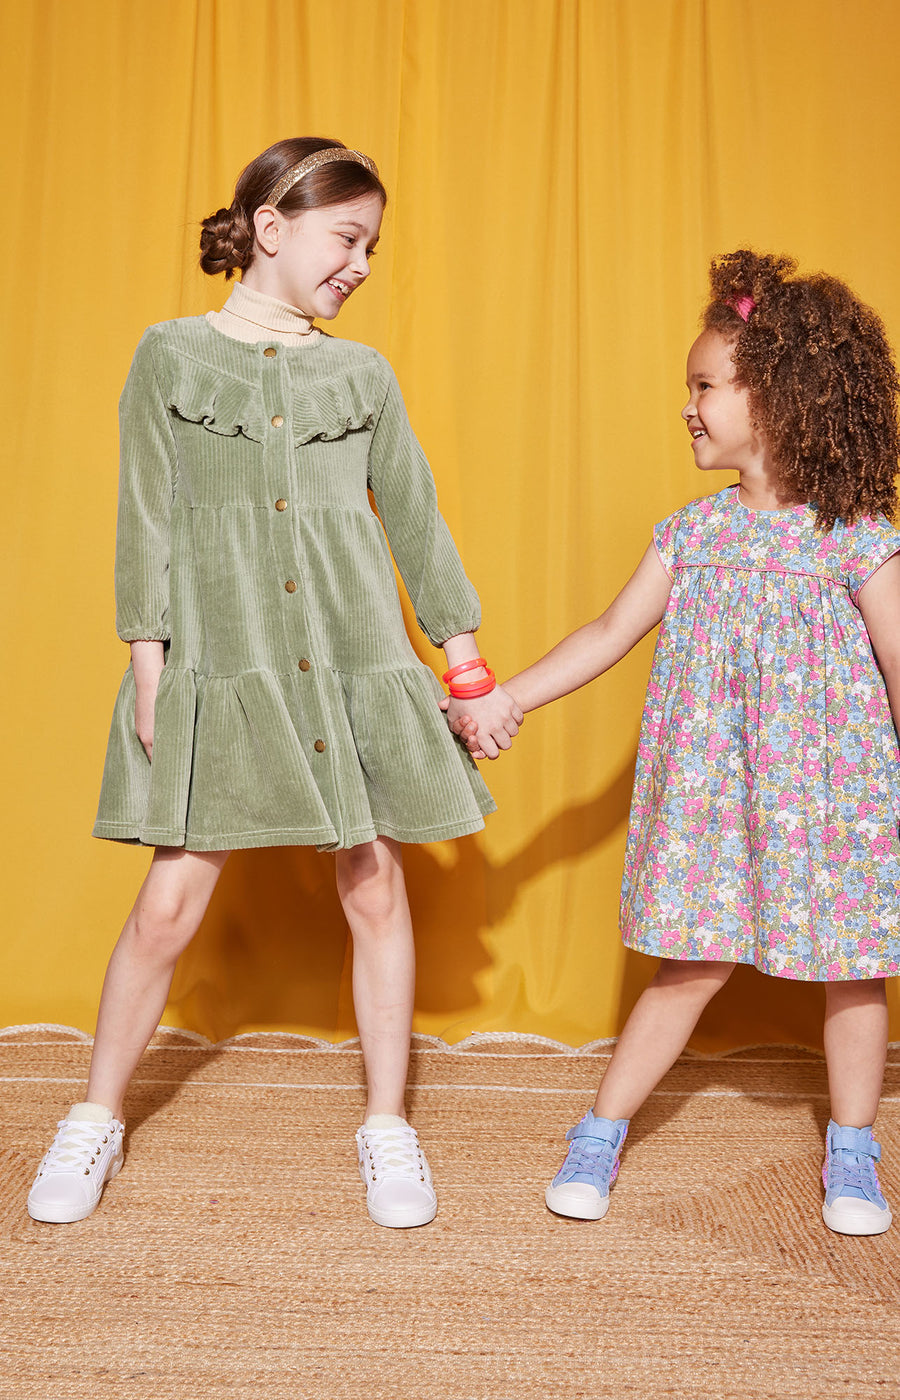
(290, 586)
(303, 664)
(278, 421)
(319, 746)
(270, 352)
(281, 504)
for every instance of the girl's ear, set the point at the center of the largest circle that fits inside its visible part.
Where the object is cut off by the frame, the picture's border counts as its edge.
(267, 227)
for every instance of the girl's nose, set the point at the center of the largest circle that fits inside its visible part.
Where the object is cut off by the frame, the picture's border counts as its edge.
(360, 264)
(689, 410)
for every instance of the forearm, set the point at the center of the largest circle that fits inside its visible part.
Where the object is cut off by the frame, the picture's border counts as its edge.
(147, 662)
(572, 663)
(598, 645)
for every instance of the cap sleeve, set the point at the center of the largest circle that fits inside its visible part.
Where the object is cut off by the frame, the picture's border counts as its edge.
(664, 538)
(873, 541)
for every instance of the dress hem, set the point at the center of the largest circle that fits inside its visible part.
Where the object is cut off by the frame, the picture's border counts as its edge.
(322, 839)
(671, 956)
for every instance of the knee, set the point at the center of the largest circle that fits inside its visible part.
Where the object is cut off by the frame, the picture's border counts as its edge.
(163, 926)
(372, 905)
(372, 890)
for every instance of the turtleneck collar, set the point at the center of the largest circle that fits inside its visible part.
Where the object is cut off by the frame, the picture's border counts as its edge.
(252, 316)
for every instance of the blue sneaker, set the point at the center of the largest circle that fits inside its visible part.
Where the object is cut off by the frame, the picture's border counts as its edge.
(854, 1204)
(581, 1186)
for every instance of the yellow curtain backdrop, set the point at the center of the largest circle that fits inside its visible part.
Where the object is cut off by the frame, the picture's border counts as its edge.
(560, 172)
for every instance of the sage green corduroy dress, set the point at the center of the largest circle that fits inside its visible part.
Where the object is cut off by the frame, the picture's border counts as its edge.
(292, 709)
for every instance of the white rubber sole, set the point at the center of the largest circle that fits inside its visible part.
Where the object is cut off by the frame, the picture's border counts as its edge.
(402, 1220)
(67, 1215)
(843, 1219)
(576, 1200)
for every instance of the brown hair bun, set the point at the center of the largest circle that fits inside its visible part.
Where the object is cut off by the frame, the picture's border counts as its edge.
(226, 242)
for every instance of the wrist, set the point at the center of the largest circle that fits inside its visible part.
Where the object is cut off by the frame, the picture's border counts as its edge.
(147, 661)
(470, 679)
(461, 648)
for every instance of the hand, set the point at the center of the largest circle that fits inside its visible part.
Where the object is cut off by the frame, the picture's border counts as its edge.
(466, 729)
(486, 725)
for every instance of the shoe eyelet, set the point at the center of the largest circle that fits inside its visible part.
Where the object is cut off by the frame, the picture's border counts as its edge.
(106, 1139)
(87, 1171)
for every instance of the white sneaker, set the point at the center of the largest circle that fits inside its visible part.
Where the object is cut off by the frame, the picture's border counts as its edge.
(399, 1192)
(85, 1154)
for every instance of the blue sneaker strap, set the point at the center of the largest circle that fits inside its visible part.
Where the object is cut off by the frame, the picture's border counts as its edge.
(859, 1140)
(602, 1129)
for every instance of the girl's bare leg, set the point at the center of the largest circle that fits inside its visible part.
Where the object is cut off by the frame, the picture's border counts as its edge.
(373, 893)
(856, 1039)
(656, 1032)
(165, 917)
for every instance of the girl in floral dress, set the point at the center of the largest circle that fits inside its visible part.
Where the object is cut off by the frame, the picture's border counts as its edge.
(764, 821)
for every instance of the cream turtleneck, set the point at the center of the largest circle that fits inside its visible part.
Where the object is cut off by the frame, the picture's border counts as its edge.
(252, 316)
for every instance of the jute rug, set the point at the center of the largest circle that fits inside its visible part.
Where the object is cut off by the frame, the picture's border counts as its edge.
(233, 1256)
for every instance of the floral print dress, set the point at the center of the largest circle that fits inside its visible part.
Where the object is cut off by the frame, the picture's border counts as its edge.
(764, 821)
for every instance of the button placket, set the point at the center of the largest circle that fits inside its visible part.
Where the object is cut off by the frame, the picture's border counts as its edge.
(276, 391)
(280, 468)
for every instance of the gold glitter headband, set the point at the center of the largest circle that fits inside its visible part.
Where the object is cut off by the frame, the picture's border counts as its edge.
(314, 162)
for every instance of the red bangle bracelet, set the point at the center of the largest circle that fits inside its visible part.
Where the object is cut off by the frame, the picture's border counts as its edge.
(475, 688)
(448, 676)
(484, 688)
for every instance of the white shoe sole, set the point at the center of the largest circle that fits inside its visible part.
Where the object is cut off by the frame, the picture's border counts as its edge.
(844, 1221)
(402, 1220)
(67, 1215)
(576, 1200)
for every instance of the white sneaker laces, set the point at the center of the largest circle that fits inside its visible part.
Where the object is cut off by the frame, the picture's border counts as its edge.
(394, 1152)
(75, 1145)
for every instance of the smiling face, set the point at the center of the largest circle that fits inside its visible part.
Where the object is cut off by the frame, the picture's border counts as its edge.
(718, 413)
(316, 259)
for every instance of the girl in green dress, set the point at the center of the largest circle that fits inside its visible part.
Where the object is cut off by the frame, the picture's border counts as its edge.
(273, 696)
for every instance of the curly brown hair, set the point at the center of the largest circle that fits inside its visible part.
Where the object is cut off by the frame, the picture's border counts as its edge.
(822, 379)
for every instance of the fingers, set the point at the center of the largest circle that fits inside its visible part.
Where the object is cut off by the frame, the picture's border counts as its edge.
(492, 733)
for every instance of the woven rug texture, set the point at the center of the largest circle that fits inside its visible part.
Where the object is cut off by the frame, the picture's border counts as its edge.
(233, 1256)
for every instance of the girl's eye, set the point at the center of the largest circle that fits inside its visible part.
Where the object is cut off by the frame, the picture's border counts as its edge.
(348, 239)
(704, 384)
(370, 253)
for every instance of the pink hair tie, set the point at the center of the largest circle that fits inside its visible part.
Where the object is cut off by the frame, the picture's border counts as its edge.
(743, 306)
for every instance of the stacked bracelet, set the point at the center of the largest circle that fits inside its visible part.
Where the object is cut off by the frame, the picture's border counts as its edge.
(470, 690)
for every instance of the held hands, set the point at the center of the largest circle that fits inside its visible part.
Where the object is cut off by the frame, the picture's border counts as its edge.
(486, 724)
(488, 714)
